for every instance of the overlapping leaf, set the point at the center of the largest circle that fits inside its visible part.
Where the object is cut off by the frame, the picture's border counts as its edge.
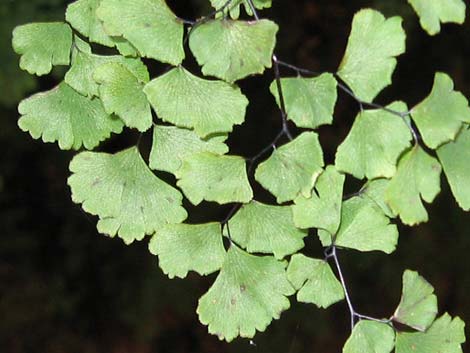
(231, 50)
(84, 63)
(234, 6)
(433, 13)
(370, 337)
(42, 45)
(293, 168)
(454, 159)
(446, 335)
(440, 116)
(310, 102)
(314, 280)
(119, 188)
(374, 144)
(65, 116)
(149, 25)
(81, 15)
(248, 293)
(375, 191)
(323, 208)
(364, 227)
(211, 177)
(121, 94)
(369, 60)
(266, 229)
(171, 145)
(417, 177)
(185, 100)
(418, 304)
(188, 247)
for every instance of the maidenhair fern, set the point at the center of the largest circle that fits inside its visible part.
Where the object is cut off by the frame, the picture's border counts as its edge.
(398, 152)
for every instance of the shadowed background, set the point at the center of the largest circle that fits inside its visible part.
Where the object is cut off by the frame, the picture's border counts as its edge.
(66, 288)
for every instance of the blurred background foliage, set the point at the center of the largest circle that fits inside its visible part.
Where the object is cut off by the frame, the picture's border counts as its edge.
(65, 288)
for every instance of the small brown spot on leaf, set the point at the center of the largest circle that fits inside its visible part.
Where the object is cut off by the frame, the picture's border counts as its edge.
(96, 182)
(233, 301)
(242, 288)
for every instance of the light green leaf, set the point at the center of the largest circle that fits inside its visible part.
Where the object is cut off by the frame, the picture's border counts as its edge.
(314, 280)
(455, 162)
(248, 293)
(81, 15)
(310, 102)
(65, 116)
(446, 335)
(84, 63)
(432, 13)
(234, 6)
(375, 191)
(42, 45)
(119, 188)
(121, 94)
(370, 337)
(266, 229)
(439, 117)
(232, 50)
(364, 227)
(369, 60)
(171, 145)
(293, 168)
(188, 247)
(374, 144)
(418, 304)
(188, 101)
(211, 177)
(323, 208)
(418, 177)
(149, 25)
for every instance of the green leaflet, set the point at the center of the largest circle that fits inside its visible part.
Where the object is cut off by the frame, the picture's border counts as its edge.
(81, 15)
(374, 144)
(444, 336)
(370, 337)
(211, 177)
(149, 25)
(42, 45)
(188, 101)
(84, 63)
(418, 304)
(432, 13)
(454, 160)
(188, 247)
(363, 227)
(266, 229)
(234, 6)
(310, 102)
(65, 116)
(314, 280)
(231, 50)
(248, 293)
(375, 191)
(369, 60)
(129, 199)
(172, 145)
(121, 94)
(418, 177)
(293, 168)
(323, 208)
(439, 117)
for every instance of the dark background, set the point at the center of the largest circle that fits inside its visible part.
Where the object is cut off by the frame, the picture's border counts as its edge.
(66, 288)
